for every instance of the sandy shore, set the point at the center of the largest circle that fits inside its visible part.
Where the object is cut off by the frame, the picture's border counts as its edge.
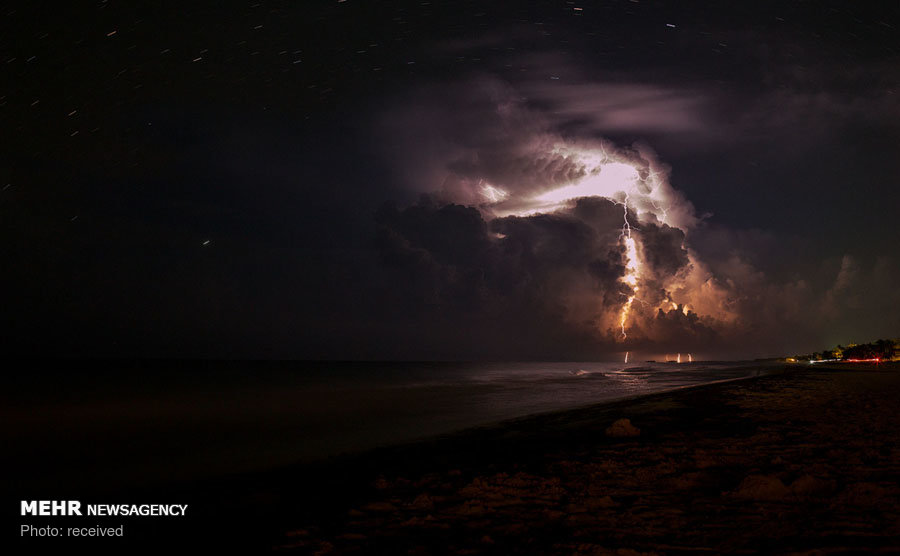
(801, 462)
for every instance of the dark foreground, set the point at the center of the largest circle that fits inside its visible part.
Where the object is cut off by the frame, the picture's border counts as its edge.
(805, 462)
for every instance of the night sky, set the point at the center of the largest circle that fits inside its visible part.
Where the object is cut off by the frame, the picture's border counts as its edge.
(308, 179)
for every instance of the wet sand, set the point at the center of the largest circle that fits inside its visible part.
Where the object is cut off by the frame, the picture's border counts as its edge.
(807, 462)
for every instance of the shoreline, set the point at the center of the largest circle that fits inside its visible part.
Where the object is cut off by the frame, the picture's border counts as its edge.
(354, 456)
(793, 461)
(117, 420)
(338, 480)
(708, 450)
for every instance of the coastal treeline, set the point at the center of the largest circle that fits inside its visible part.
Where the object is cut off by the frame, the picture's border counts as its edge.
(885, 350)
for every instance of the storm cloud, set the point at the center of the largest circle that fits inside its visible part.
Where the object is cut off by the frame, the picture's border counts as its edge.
(499, 150)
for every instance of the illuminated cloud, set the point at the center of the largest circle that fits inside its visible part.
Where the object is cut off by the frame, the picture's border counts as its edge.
(630, 107)
(552, 148)
(621, 218)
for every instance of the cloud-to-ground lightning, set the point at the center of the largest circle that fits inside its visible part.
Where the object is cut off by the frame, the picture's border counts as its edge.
(634, 183)
(631, 269)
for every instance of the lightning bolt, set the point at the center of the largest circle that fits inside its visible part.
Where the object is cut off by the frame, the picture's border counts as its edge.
(634, 185)
(654, 179)
(631, 267)
(492, 193)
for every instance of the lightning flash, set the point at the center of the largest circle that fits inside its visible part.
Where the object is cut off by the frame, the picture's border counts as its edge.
(631, 269)
(634, 183)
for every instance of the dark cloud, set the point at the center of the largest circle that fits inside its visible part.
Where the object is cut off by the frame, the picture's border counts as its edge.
(559, 271)
(681, 330)
(663, 249)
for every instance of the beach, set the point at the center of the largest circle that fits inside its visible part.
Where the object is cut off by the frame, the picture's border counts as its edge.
(798, 461)
(804, 461)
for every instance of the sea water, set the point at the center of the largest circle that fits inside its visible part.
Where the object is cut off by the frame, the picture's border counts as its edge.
(149, 421)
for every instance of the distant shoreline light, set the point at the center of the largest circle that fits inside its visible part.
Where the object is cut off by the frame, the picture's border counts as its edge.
(875, 360)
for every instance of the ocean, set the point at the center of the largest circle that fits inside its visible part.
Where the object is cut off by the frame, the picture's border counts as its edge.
(146, 422)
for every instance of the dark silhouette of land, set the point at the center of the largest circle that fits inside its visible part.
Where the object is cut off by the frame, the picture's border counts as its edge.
(879, 350)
